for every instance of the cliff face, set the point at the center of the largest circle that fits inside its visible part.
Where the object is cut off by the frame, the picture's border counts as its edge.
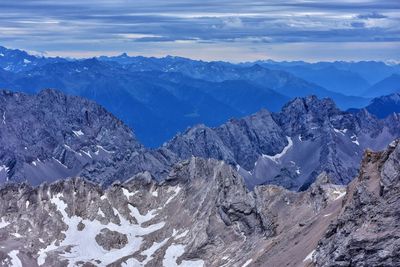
(366, 232)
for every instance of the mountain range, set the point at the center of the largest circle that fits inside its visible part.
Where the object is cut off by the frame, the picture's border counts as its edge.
(270, 167)
(50, 136)
(174, 93)
(203, 215)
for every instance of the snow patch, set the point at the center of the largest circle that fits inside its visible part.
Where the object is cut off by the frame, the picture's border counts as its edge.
(101, 213)
(339, 194)
(343, 132)
(175, 191)
(276, 157)
(150, 251)
(59, 162)
(173, 252)
(355, 141)
(128, 194)
(3, 223)
(130, 263)
(17, 235)
(27, 61)
(4, 168)
(4, 117)
(86, 249)
(86, 153)
(15, 261)
(141, 218)
(309, 256)
(247, 263)
(78, 133)
(102, 148)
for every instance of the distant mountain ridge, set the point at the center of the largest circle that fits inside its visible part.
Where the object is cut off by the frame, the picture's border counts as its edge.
(173, 93)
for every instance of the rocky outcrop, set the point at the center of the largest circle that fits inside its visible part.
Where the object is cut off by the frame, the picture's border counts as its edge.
(366, 232)
(50, 136)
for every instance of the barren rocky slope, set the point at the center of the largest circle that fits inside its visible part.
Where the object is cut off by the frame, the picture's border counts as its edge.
(201, 215)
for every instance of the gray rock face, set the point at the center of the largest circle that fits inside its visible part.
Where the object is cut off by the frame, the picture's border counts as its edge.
(367, 232)
(239, 141)
(111, 239)
(50, 136)
(201, 215)
(291, 148)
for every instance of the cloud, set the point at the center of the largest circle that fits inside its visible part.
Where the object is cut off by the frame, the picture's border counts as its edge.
(373, 15)
(105, 25)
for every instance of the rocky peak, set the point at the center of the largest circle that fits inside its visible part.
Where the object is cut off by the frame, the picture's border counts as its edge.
(366, 231)
(51, 135)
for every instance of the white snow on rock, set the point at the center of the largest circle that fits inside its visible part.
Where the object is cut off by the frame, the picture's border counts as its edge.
(175, 191)
(15, 261)
(276, 157)
(26, 61)
(131, 262)
(3, 223)
(309, 256)
(59, 162)
(354, 139)
(78, 133)
(343, 132)
(102, 148)
(86, 249)
(339, 194)
(150, 251)
(4, 168)
(173, 252)
(247, 263)
(127, 193)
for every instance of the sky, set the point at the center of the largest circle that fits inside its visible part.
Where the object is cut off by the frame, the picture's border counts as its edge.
(231, 30)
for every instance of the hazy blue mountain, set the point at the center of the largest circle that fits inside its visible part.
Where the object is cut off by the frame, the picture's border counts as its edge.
(370, 71)
(16, 60)
(384, 106)
(386, 86)
(336, 80)
(160, 96)
(281, 81)
(156, 104)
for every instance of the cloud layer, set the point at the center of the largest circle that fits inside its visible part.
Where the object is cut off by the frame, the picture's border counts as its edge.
(230, 30)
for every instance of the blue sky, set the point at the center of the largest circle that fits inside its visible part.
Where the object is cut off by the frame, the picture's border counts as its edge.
(212, 30)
